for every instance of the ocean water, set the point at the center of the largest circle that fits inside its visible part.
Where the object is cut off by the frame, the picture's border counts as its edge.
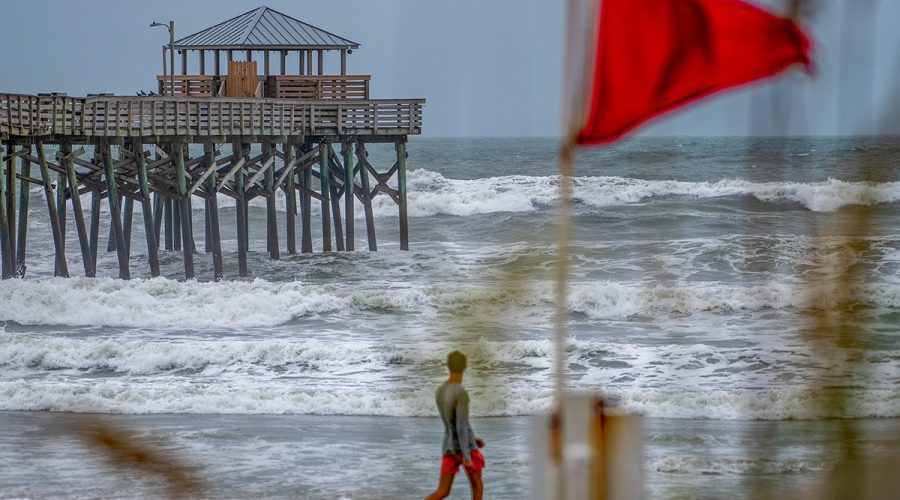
(700, 268)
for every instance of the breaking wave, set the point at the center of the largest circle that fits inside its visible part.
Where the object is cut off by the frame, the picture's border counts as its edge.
(298, 376)
(430, 193)
(164, 303)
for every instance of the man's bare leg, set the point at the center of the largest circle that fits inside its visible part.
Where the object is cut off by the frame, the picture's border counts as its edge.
(443, 489)
(476, 484)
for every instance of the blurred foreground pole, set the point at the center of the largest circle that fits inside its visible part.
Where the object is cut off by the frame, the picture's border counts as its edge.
(586, 453)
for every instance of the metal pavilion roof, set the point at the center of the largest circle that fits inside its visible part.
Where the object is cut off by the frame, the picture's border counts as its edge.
(264, 28)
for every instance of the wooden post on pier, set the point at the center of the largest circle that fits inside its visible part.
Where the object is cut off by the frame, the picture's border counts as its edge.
(335, 198)
(77, 210)
(177, 232)
(96, 199)
(290, 191)
(213, 211)
(61, 267)
(6, 265)
(61, 210)
(306, 208)
(401, 186)
(147, 209)
(115, 215)
(271, 213)
(169, 223)
(362, 155)
(128, 222)
(184, 211)
(11, 206)
(241, 203)
(22, 236)
(324, 178)
(349, 187)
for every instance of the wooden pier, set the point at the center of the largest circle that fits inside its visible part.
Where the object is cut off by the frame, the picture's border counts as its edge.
(311, 131)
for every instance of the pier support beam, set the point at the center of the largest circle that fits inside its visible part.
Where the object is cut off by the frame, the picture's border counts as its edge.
(290, 193)
(324, 182)
(95, 226)
(21, 237)
(61, 268)
(147, 210)
(61, 182)
(115, 215)
(177, 232)
(168, 219)
(306, 209)
(336, 199)
(241, 204)
(212, 204)
(77, 211)
(349, 190)
(271, 213)
(184, 211)
(127, 223)
(6, 265)
(362, 154)
(401, 186)
(10, 203)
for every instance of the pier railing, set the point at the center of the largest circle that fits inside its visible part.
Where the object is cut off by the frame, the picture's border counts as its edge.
(277, 87)
(112, 116)
(318, 87)
(189, 85)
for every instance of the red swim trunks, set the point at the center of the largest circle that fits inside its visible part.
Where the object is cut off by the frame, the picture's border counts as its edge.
(451, 462)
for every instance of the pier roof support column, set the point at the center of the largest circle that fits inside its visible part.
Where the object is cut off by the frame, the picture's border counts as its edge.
(202, 62)
(6, 266)
(184, 211)
(62, 269)
(321, 66)
(343, 61)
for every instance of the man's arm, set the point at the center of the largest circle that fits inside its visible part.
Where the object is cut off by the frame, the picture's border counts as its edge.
(462, 425)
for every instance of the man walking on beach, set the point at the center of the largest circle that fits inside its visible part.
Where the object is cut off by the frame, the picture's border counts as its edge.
(460, 444)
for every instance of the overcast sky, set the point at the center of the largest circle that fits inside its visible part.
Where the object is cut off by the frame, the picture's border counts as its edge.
(487, 67)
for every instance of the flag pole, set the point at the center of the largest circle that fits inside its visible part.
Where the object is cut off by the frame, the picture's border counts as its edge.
(581, 31)
(563, 250)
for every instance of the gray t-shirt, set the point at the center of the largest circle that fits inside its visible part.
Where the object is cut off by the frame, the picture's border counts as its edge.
(453, 406)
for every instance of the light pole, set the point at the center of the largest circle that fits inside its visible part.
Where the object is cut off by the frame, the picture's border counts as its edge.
(171, 28)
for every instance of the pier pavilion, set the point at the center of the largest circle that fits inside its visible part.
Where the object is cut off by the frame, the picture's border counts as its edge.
(306, 124)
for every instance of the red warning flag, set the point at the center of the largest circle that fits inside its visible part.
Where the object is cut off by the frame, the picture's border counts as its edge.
(655, 55)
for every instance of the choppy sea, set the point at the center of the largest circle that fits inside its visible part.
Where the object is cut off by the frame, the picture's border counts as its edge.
(702, 269)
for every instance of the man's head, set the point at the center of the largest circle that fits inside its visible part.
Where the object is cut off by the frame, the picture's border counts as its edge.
(456, 361)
